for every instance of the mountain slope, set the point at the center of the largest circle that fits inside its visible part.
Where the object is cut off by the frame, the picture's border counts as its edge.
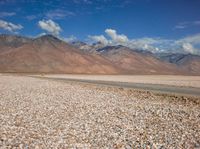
(13, 40)
(50, 55)
(86, 47)
(137, 63)
(188, 62)
(9, 42)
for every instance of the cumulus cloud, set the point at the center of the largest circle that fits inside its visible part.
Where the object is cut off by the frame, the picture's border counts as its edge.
(144, 44)
(188, 48)
(9, 26)
(116, 37)
(50, 26)
(121, 39)
(187, 44)
(194, 39)
(100, 38)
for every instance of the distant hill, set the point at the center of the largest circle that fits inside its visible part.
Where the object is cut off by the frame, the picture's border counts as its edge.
(86, 47)
(136, 62)
(187, 62)
(11, 41)
(48, 54)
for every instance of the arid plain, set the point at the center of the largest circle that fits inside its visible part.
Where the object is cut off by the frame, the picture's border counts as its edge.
(46, 113)
(173, 80)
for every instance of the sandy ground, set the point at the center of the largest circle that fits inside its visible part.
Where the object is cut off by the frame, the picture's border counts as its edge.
(185, 81)
(36, 113)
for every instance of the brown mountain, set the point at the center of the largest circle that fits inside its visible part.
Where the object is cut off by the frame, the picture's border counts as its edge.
(188, 62)
(136, 62)
(9, 42)
(48, 54)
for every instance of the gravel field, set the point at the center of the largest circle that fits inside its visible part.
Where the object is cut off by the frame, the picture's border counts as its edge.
(36, 113)
(175, 80)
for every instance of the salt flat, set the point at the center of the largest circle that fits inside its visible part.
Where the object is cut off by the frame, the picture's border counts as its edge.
(39, 113)
(174, 80)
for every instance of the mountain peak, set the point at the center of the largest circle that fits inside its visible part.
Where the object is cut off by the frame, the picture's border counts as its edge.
(47, 37)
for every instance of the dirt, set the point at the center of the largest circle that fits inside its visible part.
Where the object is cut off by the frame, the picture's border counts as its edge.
(39, 113)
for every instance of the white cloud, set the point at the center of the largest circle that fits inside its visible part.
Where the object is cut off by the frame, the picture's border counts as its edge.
(141, 44)
(115, 37)
(143, 41)
(187, 44)
(194, 39)
(99, 38)
(41, 34)
(70, 39)
(50, 26)
(121, 39)
(59, 14)
(144, 44)
(10, 26)
(188, 48)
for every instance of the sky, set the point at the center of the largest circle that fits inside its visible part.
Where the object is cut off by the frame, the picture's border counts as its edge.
(154, 25)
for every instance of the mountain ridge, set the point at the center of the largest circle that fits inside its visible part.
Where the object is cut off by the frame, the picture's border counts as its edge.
(49, 54)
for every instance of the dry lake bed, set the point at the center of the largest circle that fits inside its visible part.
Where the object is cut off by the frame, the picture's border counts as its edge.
(174, 80)
(50, 113)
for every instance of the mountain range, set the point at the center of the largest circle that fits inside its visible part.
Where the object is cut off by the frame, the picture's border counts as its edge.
(49, 54)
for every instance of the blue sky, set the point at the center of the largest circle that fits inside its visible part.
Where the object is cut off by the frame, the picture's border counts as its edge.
(166, 21)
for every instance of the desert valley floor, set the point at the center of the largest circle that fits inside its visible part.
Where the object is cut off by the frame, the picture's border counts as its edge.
(45, 113)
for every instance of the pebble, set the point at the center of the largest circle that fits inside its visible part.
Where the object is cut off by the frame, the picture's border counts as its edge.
(36, 113)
